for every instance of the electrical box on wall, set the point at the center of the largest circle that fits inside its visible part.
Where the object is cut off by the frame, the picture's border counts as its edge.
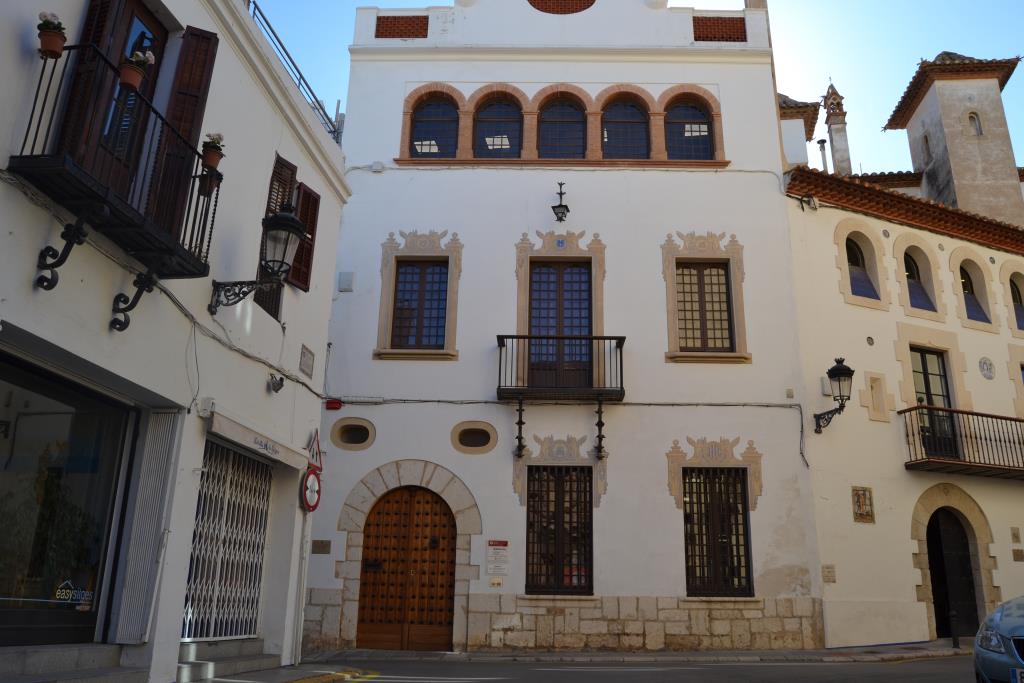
(346, 281)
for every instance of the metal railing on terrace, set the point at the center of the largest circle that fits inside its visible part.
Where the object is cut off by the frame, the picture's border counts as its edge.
(964, 442)
(560, 367)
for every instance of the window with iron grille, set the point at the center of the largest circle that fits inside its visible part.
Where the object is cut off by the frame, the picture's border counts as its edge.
(499, 130)
(703, 306)
(563, 130)
(717, 531)
(688, 132)
(559, 530)
(625, 131)
(421, 302)
(435, 129)
(282, 190)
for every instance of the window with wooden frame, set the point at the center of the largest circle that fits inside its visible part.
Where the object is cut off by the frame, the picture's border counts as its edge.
(435, 128)
(703, 306)
(562, 131)
(282, 191)
(717, 532)
(559, 530)
(421, 302)
(498, 130)
(625, 131)
(688, 133)
(307, 208)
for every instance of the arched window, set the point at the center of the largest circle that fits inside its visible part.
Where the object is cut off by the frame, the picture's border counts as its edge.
(499, 130)
(563, 130)
(975, 122)
(625, 131)
(435, 128)
(1018, 304)
(688, 132)
(860, 281)
(915, 285)
(973, 307)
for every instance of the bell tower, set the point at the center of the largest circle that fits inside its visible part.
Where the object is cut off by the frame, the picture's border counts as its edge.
(959, 140)
(835, 119)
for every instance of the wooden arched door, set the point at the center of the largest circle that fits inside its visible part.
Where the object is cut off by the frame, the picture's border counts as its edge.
(407, 582)
(952, 575)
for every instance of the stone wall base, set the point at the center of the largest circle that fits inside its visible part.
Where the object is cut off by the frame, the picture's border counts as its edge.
(623, 623)
(643, 623)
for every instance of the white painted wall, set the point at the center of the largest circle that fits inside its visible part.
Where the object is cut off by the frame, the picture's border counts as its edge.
(254, 104)
(794, 141)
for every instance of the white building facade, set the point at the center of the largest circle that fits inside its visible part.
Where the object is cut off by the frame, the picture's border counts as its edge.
(153, 449)
(565, 434)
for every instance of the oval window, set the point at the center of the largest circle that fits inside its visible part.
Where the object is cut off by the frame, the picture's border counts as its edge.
(353, 434)
(474, 437)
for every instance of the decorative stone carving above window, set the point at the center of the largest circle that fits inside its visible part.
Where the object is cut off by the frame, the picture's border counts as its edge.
(705, 247)
(719, 453)
(418, 246)
(559, 246)
(567, 451)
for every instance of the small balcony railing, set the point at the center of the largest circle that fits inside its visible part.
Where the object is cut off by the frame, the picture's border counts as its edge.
(107, 155)
(962, 442)
(561, 367)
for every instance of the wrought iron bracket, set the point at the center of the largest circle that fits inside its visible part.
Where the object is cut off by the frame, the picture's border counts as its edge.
(599, 451)
(144, 282)
(231, 293)
(520, 441)
(50, 259)
(822, 420)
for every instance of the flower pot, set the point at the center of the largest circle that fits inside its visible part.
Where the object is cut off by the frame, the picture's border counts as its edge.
(208, 182)
(131, 76)
(211, 157)
(51, 44)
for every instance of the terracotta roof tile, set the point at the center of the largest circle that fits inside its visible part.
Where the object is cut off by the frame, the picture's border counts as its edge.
(947, 65)
(794, 109)
(874, 200)
(891, 178)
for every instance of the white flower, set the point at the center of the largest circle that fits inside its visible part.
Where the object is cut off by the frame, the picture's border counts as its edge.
(150, 58)
(216, 138)
(44, 16)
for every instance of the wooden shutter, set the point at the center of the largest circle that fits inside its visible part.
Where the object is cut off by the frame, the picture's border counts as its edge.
(307, 208)
(97, 29)
(176, 159)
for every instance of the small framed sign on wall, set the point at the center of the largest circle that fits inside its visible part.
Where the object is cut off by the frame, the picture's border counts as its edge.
(863, 505)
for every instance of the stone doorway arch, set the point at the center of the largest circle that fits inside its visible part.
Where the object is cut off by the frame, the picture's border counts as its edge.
(979, 536)
(361, 499)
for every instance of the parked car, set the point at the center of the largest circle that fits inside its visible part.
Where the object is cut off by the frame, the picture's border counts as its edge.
(999, 646)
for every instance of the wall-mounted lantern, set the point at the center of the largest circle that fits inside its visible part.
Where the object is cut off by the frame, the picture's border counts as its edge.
(282, 234)
(560, 209)
(840, 377)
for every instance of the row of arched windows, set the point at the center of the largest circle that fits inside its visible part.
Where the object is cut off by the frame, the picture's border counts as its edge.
(561, 130)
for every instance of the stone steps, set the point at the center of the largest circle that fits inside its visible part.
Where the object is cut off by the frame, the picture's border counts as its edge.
(206, 660)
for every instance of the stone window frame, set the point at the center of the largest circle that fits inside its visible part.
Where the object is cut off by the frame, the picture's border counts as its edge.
(980, 540)
(361, 499)
(864, 236)
(418, 246)
(900, 245)
(558, 452)
(715, 453)
(908, 335)
(474, 424)
(1012, 269)
(964, 256)
(346, 421)
(707, 247)
(560, 247)
(877, 412)
(594, 109)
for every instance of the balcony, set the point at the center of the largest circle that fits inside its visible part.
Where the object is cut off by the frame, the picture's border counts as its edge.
(108, 156)
(961, 442)
(569, 368)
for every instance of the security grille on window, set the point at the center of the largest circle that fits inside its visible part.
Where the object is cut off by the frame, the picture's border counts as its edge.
(435, 129)
(563, 130)
(688, 132)
(703, 306)
(499, 130)
(421, 300)
(717, 531)
(225, 576)
(559, 530)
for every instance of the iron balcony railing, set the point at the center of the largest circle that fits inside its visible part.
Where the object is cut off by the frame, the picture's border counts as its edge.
(560, 367)
(106, 154)
(963, 442)
(261, 21)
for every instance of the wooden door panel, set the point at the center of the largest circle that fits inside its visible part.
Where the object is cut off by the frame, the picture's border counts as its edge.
(407, 586)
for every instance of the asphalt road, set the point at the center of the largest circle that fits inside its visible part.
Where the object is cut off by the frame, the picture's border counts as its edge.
(946, 670)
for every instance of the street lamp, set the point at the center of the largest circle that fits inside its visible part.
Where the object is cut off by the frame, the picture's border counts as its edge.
(840, 377)
(560, 209)
(282, 234)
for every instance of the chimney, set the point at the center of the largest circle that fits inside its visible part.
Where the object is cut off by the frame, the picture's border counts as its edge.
(824, 158)
(835, 119)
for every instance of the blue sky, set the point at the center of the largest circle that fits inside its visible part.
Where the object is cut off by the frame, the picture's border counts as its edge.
(869, 48)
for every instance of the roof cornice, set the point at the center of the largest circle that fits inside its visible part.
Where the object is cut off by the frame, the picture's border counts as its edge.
(889, 205)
